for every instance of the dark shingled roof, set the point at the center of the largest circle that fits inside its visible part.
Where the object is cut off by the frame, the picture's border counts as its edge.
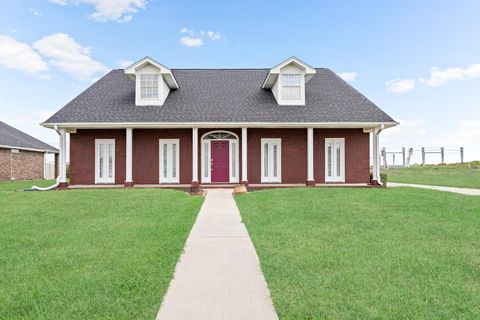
(220, 95)
(9, 136)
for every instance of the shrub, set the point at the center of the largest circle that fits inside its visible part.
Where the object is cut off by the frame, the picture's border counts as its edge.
(384, 179)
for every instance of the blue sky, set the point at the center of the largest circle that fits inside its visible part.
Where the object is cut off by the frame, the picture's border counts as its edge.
(418, 60)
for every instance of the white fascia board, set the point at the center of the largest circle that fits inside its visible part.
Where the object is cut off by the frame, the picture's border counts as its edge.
(159, 125)
(164, 71)
(275, 71)
(27, 149)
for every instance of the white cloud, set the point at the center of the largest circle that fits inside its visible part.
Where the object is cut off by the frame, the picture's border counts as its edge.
(467, 133)
(124, 63)
(19, 55)
(191, 42)
(439, 77)
(35, 12)
(68, 55)
(348, 76)
(213, 35)
(186, 30)
(107, 10)
(195, 38)
(408, 129)
(400, 85)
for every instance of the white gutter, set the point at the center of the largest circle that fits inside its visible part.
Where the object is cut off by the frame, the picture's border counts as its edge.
(27, 149)
(160, 125)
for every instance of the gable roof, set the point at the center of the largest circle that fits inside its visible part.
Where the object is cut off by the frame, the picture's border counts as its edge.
(16, 139)
(223, 96)
(275, 71)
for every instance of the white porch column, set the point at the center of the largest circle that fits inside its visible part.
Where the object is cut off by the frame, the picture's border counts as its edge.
(310, 176)
(63, 155)
(375, 156)
(244, 156)
(129, 157)
(194, 155)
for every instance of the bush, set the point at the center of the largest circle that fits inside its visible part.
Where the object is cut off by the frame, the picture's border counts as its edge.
(384, 179)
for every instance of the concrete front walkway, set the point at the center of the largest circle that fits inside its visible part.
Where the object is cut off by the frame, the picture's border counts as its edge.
(470, 192)
(218, 276)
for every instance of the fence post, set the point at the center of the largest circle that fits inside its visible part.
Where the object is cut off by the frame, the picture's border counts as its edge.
(384, 156)
(423, 156)
(403, 156)
(442, 151)
(461, 154)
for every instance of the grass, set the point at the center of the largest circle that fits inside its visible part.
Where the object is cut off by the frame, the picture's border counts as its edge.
(398, 253)
(455, 175)
(90, 254)
(24, 184)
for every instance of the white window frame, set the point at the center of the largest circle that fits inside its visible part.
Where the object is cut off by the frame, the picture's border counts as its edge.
(334, 178)
(207, 156)
(153, 81)
(285, 86)
(106, 180)
(166, 180)
(271, 179)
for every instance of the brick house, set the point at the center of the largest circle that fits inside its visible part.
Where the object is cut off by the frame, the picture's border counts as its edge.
(192, 128)
(22, 157)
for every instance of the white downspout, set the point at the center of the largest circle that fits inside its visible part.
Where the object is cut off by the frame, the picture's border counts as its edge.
(57, 181)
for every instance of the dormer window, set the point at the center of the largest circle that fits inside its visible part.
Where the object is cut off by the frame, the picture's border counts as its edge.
(149, 86)
(287, 82)
(153, 82)
(291, 87)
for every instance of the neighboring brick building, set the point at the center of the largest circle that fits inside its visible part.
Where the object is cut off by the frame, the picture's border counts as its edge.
(22, 157)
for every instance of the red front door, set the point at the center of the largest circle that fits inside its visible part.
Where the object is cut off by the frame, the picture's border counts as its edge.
(220, 161)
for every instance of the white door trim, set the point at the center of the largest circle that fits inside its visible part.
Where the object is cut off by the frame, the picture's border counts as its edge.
(169, 178)
(206, 156)
(336, 164)
(271, 178)
(105, 179)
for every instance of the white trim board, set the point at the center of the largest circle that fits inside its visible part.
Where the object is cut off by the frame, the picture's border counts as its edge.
(160, 125)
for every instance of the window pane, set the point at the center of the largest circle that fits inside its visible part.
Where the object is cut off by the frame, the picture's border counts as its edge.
(234, 159)
(110, 160)
(329, 158)
(174, 160)
(205, 160)
(165, 153)
(149, 86)
(275, 147)
(338, 162)
(100, 159)
(265, 160)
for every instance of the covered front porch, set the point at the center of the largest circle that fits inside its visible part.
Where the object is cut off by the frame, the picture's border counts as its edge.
(201, 157)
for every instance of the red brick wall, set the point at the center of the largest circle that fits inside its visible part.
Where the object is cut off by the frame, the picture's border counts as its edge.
(82, 154)
(146, 154)
(357, 154)
(294, 154)
(25, 165)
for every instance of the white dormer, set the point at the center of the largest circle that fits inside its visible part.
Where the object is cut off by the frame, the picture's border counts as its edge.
(153, 82)
(287, 81)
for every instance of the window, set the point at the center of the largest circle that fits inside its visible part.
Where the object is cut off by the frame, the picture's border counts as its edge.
(335, 160)
(104, 161)
(169, 161)
(291, 87)
(271, 160)
(149, 86)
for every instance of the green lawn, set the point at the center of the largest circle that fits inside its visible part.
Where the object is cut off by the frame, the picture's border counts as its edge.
(464, 176)
(24, 184)
(398, 253)
(90, 254)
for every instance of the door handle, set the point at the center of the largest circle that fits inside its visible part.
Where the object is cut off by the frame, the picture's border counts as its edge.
(211, 164)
